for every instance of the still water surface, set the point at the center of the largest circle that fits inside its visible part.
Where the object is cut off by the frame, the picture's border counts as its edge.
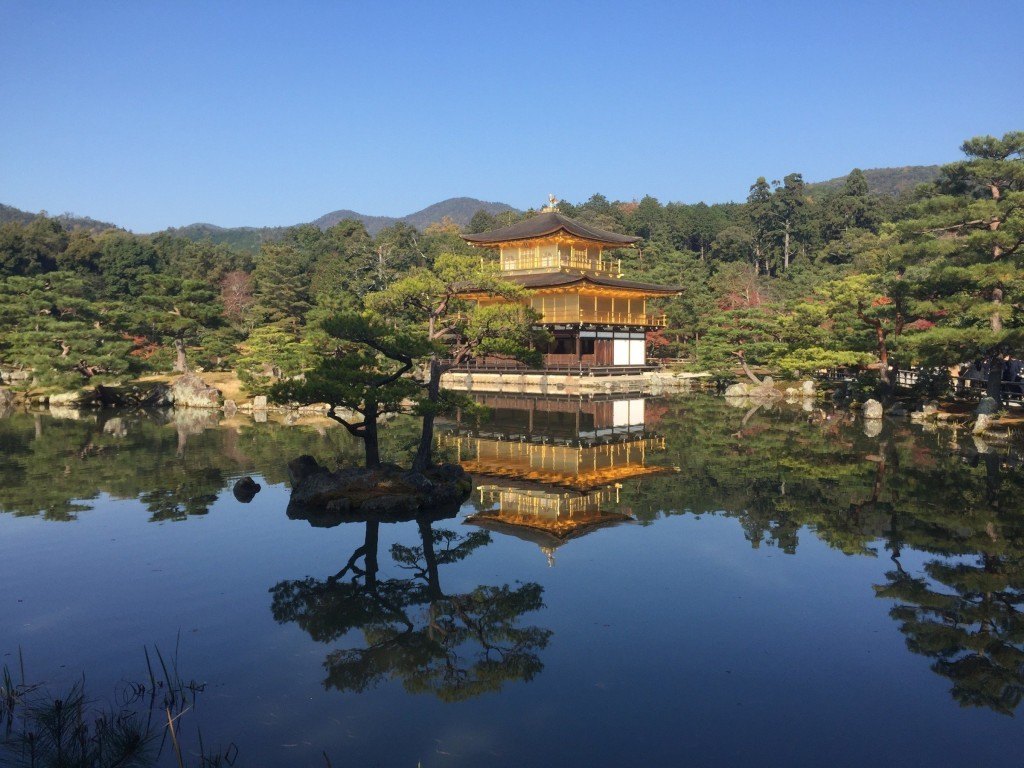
(659, 582)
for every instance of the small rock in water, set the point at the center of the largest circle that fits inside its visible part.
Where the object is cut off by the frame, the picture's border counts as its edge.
(245, 489)
(808, 388)
(259, 403)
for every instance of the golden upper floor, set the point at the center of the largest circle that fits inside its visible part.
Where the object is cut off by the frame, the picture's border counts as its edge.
(551, 242)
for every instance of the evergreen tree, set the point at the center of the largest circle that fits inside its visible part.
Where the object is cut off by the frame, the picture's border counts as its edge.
(365, 371)
(964, 256)
(57, 327)
(787, 215)
(282, 285)
(124, 261)
(453, 329)
(175, 312)
(761, 215)
(482, 221)
(852, 207)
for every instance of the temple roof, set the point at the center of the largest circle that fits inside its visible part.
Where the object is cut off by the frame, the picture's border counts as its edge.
(546, 224)
(555, 279)
(545, 533)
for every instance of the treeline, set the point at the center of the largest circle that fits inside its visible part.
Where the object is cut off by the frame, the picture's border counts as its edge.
(796, 278)
(80, 307)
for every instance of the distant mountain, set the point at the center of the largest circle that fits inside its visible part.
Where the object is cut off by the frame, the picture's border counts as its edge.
(69, 220)
(373, 224)
(458, 209)
(888, 181)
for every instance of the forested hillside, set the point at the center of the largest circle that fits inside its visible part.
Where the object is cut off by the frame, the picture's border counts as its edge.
(793, 280)
(458, 210)
(69, 221)
(243, 238)
(886, 181)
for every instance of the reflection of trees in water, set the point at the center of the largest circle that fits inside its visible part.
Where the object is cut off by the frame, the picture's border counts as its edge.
(967, 616)
(965, 609)
(455, 646)
(782, 473)
(176, 463)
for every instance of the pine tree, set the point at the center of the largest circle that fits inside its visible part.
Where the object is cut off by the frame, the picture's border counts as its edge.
(55, 326)
(964, 256)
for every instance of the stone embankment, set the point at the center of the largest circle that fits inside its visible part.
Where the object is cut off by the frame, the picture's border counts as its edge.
(187, 392)
(652, 382)
(767, 390)
(982, 421)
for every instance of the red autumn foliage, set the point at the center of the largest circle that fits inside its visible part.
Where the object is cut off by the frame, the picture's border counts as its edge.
(142, 347)
(919, 325)
(653, 413)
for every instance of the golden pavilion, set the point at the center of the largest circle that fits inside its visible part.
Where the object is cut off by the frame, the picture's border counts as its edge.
(597, 320)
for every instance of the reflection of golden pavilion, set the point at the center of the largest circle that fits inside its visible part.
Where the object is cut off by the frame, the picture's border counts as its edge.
(549, 518)
(577, 467)
(563, 460)
(568, 442)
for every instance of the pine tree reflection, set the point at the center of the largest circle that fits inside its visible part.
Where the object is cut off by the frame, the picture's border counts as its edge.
(455, 646)
(965, 609)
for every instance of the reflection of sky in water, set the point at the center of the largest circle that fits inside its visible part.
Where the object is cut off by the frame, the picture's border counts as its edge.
(674, 641)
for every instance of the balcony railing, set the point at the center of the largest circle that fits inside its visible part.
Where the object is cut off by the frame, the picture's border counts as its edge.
(606, 318)
(553, 261)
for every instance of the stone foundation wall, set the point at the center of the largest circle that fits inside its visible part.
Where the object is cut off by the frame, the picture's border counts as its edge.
(651, 382)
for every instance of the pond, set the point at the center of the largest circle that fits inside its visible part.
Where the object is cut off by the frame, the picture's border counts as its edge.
(633, 582)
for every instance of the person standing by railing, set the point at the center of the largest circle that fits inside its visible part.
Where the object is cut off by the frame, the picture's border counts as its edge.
(1012, 373)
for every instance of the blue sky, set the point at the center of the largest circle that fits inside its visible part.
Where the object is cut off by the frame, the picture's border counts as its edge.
(155, 114)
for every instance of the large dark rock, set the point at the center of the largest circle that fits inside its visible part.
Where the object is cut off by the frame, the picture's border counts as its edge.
(301, 468)
(159, 396)
(245, 489)
(386, 493)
